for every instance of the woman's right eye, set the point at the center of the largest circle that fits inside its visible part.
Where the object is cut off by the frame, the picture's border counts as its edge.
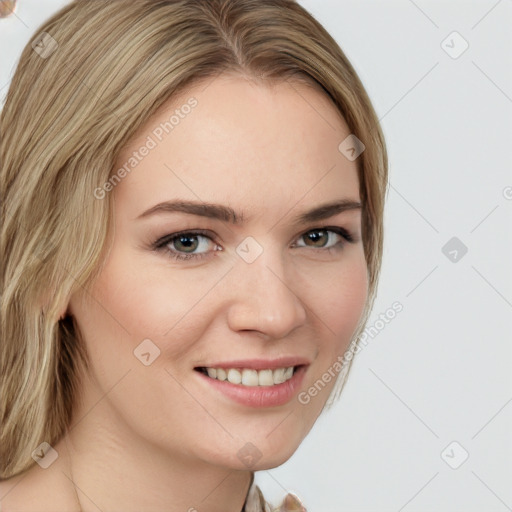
(181, 246)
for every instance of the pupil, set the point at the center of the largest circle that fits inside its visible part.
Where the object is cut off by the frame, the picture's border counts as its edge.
(187, 240)
(316, 235)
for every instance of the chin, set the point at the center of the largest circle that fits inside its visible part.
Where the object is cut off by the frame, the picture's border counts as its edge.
(273, 461)
(260, 453)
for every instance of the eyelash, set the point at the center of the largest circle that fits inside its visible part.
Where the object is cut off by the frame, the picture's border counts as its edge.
(162, 243)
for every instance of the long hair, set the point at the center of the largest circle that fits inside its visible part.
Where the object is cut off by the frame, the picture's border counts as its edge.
(87, 80)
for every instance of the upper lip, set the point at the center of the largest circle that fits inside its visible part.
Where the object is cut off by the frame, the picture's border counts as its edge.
(259, 364)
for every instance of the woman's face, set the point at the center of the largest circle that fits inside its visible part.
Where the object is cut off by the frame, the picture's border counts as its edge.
(273, 285)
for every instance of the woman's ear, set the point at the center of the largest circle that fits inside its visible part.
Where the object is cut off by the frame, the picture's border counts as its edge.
(46, 306)
(64, 311)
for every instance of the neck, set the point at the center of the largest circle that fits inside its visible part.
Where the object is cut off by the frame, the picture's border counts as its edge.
(114, 470)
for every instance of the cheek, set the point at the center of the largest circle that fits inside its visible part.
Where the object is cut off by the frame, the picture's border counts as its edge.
(352, 298)
(338, 311)
(134, 301)
(340, 302)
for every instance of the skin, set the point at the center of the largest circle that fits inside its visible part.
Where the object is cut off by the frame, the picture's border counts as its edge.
(140, 432)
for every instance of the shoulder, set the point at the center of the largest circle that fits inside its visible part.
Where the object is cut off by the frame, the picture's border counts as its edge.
(15, 494)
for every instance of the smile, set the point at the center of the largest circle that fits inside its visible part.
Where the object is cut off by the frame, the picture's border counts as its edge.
(251, 377)
(259, 386)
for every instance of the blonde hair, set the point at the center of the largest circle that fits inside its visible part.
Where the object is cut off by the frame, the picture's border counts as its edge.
(73, 103)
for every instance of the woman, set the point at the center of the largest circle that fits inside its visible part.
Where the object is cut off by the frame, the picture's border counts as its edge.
(192, 236)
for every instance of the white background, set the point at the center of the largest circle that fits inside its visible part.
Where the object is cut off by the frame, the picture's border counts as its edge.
(440, 371)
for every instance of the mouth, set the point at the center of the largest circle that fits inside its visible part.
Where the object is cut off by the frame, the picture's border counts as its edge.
(255, 383)
(251, 377)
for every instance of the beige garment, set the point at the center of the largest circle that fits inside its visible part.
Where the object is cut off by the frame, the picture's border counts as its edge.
(255, 502)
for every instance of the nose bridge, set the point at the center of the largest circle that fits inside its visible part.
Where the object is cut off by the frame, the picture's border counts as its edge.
(264, 299)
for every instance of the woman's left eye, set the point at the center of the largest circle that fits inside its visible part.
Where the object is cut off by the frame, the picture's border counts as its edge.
(321, 237)
(182, 246)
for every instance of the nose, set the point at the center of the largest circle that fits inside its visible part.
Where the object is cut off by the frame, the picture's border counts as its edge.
(263, 297)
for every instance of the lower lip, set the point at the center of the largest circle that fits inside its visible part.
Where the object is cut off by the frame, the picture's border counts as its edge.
(259, 396)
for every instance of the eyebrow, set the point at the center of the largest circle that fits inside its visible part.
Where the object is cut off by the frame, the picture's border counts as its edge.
(227, 214)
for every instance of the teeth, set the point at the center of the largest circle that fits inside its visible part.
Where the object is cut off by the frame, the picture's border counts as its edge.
(266, 378)
(234, 376)
(288, 373)
(249, 377)
(279, 375)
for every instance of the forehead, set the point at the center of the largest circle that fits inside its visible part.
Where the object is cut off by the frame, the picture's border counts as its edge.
(231, 139)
